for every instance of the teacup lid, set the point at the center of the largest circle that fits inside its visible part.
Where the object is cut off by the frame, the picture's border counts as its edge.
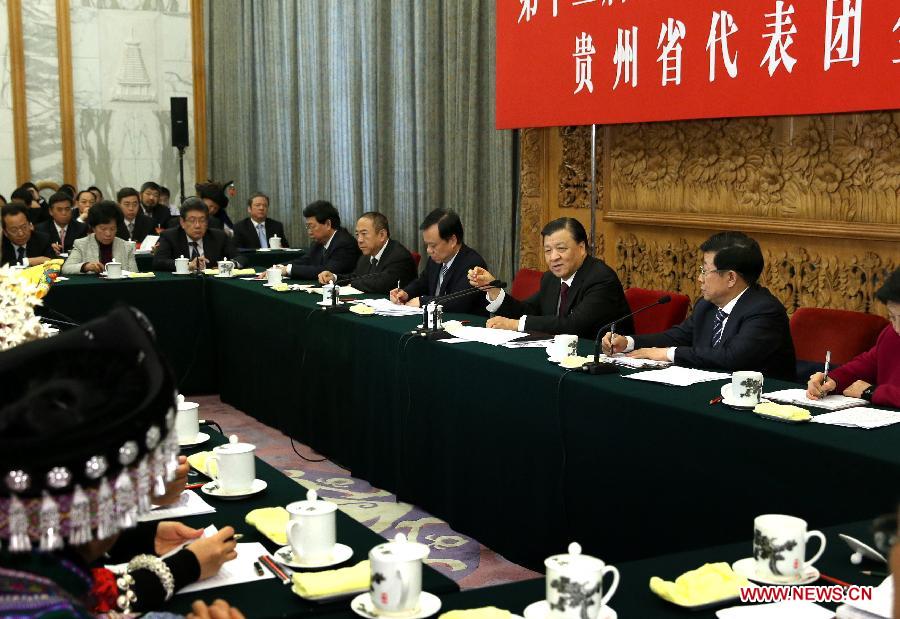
(399, 549)
(181, 257)
(113, 261)
(184, 405)
(233, 446)
(312, 506)
(574, 560)
(275, 236)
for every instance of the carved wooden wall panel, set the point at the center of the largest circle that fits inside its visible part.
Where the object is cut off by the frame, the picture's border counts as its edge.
(533, 199)
(820, 193)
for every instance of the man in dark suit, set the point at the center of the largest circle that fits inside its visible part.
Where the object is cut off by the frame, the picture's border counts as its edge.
(333, 248)
(578, 295)
(384, 262)
(737, 325)
(21, 244)
(35, 206)
(447, 270)
(84, 200)
(194, 239)
(150, 205)
(135, 225)
(256, 230)
(61, 229)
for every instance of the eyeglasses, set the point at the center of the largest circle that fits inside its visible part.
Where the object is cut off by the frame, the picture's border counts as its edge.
(702, 272)
(17, 229)
(195, 221)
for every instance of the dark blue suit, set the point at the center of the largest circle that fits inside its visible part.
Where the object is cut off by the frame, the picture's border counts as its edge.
(456, 279)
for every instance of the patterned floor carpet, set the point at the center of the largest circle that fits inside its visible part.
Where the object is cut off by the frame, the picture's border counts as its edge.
(458, 556)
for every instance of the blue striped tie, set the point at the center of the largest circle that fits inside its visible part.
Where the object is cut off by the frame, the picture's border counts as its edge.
(718, 324)
(444, 269)
(261, 232)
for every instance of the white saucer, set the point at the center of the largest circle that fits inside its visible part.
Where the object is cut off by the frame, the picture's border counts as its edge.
(264, 249)
(864, 549)
(212, 489)
(327, 303)
(202, 437)
(177, 273)
(541, 609)
(223, 276)
(727, 401)
(429, 604)
(339, 554)
(747, 569)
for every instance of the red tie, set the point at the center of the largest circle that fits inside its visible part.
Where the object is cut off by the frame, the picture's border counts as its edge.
(563, 298)
(62, 239)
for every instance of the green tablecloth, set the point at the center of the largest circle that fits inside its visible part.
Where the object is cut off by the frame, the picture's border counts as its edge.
(175, 305)
(515, 452)
(269, 598)
(634, 600)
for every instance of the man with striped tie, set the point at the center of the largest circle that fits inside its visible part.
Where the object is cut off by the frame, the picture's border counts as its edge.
(737, 325)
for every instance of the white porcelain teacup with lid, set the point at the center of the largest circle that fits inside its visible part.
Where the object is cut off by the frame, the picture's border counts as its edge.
(397, 575)
(311, 529)
(575, 584)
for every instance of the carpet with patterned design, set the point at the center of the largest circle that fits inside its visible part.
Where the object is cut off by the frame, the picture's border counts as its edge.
(458, 556)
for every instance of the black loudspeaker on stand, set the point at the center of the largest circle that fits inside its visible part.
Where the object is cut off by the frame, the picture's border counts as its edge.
(180, 134)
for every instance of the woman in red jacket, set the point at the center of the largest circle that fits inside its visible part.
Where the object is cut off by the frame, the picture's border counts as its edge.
(875, 374)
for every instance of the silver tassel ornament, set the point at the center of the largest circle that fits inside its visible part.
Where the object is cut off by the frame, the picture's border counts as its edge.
(158, 472)
(106, 511)
(143, 486)
(18, 526)
(126, 501)
(49, 523)
(170, 446)
(79, 518)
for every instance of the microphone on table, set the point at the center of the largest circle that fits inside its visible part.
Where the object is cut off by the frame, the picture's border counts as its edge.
(433, 331)
(598, 367)
(342, 308)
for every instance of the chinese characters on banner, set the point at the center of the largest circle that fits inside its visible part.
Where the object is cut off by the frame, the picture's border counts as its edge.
(578, 62)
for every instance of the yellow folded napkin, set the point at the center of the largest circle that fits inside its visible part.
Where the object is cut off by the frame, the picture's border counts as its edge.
(711, 582)
(247, 271)
(362, 309)
(271, 522)
(332, 582)
(282, 287)
(198, 461)
(135, 275)
(488, 612)
(784, 411)
(573, 361)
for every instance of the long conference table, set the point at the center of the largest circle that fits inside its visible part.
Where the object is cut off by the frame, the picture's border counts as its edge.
(504, 446)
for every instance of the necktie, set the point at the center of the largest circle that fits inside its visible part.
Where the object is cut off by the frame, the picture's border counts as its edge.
(62, 239)
(563, 299)
(444, 269)
(261, 231)
(195, 251)
(718, 324)
(130, 225)
(20, 255)
(373, 262)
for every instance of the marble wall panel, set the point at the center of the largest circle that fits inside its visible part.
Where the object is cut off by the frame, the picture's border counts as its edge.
(42, 89)
(7, 141)
(129, 58)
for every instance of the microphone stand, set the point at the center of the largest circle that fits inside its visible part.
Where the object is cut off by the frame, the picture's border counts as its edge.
(342, 308)
(432, 332)
(607, 367)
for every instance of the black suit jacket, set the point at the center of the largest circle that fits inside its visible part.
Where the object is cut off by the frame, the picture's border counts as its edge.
(340, 257)
(595, 298)
(159, 214)
(38, 245)
(396, 264)
(245, 233)
(174, 243)
(456, 279)
(143, 225)
(75, 230)
(757, 336)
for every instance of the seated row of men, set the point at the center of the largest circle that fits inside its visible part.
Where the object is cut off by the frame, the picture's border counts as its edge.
(736, 325)
(142, 215)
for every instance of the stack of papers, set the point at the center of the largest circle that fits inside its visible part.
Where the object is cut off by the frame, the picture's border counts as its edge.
(630, 362)
(859, 417)
(679, 376)
(789, 609)
(236, 571)
(147, 244)
(829, 402)
(188, 504)
(528, 344)
(879, 607)
(384, 307)
(494, 337)
(344, 291)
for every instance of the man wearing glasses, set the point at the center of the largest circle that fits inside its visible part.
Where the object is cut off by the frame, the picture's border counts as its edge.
(195, 240)
(333, 248)
(21, 244)
(737, 325)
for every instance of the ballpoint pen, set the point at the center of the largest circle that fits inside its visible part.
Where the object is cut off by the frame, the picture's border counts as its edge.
(827, 365)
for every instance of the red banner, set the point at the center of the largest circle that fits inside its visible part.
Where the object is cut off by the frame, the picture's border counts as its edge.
(578, 62)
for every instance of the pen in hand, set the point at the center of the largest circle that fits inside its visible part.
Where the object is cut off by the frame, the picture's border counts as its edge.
(827, 366)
